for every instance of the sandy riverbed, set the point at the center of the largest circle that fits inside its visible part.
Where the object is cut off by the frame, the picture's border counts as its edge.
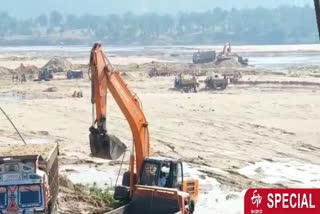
(232, 138)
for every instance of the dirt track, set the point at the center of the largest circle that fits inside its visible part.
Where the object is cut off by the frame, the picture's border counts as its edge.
(218, 132)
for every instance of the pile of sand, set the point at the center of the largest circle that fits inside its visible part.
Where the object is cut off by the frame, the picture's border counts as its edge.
(228, 63)
(30, 149)
(28, 69)
(59, 63)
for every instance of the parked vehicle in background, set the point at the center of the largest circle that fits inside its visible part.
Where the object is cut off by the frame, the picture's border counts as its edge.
(216, 82)
(75, 74)
(204, 57)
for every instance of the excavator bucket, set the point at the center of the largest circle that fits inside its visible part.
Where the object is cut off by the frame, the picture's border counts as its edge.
(106, 146)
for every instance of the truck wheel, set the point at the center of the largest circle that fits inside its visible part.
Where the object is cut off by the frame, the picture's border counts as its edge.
(195, 89)
(52, 209)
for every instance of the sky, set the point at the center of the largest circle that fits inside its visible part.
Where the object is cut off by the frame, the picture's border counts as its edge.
(31, 8)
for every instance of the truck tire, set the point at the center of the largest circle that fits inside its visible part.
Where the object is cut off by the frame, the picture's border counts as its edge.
(195, 89)
(52, 209)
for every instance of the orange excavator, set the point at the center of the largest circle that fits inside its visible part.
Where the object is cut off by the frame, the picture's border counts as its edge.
(154, 184)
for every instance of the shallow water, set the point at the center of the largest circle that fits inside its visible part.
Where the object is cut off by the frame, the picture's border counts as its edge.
(291, 172)
(212, 199)
(10, 97)
(270, 56)
(89, 174)
(281, 62)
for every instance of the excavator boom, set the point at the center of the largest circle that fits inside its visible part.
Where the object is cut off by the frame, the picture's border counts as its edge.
(146, 193)
(104, 77)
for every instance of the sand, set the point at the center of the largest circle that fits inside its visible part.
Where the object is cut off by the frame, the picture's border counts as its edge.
(219, 133)
(44, 150)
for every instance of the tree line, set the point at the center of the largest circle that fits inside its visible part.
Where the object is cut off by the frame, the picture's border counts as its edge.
(286, 24)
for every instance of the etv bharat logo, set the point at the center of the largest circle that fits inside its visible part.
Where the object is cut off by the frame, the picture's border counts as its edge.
(256, 199)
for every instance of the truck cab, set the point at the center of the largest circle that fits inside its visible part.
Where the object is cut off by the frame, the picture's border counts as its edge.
(28, 179)
(23, 187)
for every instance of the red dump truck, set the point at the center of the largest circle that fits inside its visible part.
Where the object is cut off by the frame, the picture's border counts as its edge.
(29, 179)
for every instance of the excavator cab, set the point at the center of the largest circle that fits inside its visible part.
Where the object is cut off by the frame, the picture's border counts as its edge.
(160, 189)
(162, 172)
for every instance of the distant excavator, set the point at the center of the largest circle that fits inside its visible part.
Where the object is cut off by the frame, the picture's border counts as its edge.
(226, 54)
(154, 185)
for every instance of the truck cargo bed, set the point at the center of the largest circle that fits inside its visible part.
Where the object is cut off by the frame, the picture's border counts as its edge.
(45, 154)
(46, 151)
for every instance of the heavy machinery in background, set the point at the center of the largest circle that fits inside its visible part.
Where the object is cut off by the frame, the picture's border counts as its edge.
(154, 185)
(201, 57)
(45, 74)
(216, 82)
(186, 84)
(226, 54)
(74, 74)
(233, 77)
(29, 179)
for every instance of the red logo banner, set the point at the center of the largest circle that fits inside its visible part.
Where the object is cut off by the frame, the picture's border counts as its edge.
(282, 201)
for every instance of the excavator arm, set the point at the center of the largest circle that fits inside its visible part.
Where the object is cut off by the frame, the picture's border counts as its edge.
(144, 199)
(103, 77)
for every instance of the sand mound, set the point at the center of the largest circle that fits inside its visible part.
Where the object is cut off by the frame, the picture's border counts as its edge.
(28, 69)
(59, 63)
(228, 63)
